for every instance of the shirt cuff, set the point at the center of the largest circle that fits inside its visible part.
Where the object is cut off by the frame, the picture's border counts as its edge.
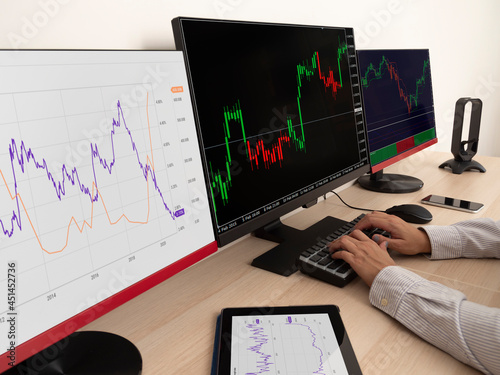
(445, 242)
(390, 286)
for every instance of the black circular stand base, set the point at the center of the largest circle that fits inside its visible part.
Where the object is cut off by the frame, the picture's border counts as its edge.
(85, 353)
(390, 183)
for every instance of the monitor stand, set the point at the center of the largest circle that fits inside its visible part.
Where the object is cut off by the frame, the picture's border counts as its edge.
(390, 183)
(282, 259)
(84, 352)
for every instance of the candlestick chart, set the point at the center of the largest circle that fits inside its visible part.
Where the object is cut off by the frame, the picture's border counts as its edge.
(264, 151)
(389, 70)
(397, 100)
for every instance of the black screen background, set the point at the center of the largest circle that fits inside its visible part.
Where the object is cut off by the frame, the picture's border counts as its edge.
(387, 118)
(256, 64)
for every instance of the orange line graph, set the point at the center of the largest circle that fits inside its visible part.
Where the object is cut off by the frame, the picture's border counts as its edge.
(149, 161)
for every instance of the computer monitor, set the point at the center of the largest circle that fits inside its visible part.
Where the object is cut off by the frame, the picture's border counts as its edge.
(398, 108)
(102, 196)
(280, 121)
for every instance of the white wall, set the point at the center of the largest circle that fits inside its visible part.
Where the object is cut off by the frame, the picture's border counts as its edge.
(463, 36)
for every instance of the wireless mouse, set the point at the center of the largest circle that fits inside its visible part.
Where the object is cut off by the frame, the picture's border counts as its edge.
(411, 213)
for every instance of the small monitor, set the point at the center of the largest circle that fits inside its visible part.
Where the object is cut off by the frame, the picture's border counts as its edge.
(280, 120)
(102, 196)
(398, 109)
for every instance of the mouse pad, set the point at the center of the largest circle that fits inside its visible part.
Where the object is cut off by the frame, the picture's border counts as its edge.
(280, 340)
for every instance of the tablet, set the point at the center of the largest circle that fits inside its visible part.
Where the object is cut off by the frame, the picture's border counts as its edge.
(284, 340)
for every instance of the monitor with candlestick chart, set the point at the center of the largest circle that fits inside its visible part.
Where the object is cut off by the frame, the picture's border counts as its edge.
(398, 105)
(280, 121)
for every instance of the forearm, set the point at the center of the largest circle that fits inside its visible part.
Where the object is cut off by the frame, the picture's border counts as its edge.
(478, 238)
(441, 316)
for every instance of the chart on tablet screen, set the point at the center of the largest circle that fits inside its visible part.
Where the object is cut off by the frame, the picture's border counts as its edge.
(285, 344)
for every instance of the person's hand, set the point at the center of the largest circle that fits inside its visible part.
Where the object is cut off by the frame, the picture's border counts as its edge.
(405, 238)
(366, 257)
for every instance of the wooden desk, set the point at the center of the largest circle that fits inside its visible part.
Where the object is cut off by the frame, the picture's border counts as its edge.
(173, 324)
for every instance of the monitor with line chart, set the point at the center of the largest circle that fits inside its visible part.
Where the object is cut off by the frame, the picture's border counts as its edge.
(102, 191)
(280, 121)
(399, 112)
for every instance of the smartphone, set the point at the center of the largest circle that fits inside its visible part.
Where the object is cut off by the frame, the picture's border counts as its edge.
(456, 204)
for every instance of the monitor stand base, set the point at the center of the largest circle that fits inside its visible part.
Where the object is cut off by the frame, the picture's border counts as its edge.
(282, 259)
(84, 352)
(390, 183)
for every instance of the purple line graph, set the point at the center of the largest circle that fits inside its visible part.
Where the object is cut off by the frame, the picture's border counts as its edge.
(259, 340)
(320, 370)
(88, 141)
(280, 344)
(22, 156)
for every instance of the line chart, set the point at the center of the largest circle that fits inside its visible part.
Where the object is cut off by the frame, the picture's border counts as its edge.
(314, 344)
(19, 154)
(101, 177)
(282, 344)
(260, 339)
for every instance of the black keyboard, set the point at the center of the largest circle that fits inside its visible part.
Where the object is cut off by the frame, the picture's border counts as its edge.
(317, 262)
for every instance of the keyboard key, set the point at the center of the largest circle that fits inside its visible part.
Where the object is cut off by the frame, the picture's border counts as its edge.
(309, 251)
(335, 264)
(326, 260)
(324, 252)
(315, 258)
(344, 268)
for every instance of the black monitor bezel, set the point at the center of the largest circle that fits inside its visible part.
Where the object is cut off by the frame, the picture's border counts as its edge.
(307, 198)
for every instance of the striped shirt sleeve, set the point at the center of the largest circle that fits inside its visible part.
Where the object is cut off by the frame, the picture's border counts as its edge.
(479, 238)
(442, 316)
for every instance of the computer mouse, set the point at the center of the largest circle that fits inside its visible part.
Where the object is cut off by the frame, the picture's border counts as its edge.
(411, 213)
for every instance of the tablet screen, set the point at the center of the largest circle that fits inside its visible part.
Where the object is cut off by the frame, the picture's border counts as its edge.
(284, 340)
(276, 344)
